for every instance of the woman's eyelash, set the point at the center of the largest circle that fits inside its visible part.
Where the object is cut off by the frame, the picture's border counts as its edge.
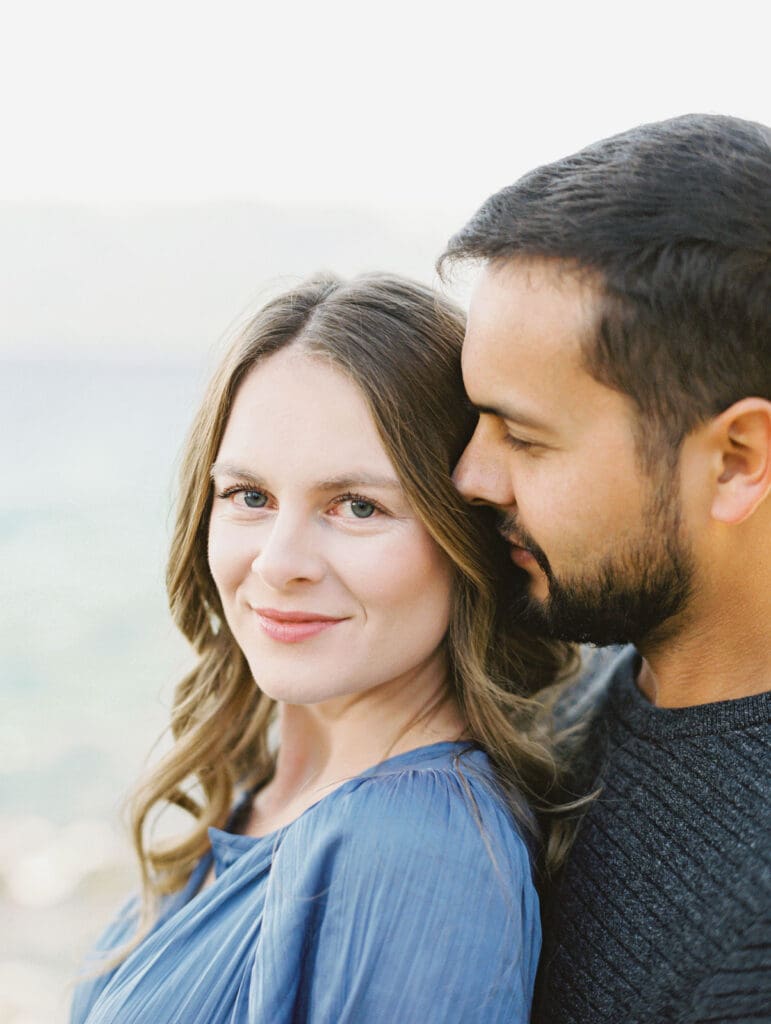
(239, 489)
(343, 498)
(228, 492)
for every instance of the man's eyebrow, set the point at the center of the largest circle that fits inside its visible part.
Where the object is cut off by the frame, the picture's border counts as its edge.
(337, 483)
(510, 415)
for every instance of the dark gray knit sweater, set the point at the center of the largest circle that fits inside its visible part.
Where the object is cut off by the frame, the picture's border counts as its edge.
(663, 912)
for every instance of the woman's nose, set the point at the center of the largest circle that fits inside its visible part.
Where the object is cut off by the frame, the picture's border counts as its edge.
(481, 475)
(290, 553)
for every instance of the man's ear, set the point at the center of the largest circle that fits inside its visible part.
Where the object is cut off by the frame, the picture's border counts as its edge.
(741, 436)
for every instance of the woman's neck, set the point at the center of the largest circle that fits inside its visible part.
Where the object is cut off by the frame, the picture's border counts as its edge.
(323, 745)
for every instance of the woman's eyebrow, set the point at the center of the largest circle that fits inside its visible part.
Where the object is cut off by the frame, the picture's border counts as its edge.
(230, 469)
(347, 483)
(342, 483)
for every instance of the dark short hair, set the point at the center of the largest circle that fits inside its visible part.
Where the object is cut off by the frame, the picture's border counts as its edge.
(673, 219)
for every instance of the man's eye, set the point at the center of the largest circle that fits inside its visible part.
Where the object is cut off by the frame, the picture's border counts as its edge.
(517, 443)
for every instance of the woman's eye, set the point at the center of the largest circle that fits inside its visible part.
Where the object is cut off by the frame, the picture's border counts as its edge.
(254, 499)
(362, 509)
(245, 497)
(356, 506)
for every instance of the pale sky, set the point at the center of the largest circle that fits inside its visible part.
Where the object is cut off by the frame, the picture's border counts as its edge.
(394, 105)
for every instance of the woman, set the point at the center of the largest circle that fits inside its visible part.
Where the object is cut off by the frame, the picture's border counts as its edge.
(353, 686)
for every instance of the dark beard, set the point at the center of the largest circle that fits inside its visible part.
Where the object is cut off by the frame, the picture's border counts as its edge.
(635, 596)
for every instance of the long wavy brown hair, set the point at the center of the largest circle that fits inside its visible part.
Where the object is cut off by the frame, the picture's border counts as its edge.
(400, 343)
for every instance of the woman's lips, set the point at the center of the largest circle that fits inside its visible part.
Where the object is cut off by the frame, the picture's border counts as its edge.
(292, 627)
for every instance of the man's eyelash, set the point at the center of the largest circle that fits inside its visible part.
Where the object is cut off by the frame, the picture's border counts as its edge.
(518, 444)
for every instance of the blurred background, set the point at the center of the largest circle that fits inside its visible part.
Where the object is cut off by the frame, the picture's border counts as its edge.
(167, 167)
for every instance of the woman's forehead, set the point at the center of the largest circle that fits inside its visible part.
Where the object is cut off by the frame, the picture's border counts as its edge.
(295, 411)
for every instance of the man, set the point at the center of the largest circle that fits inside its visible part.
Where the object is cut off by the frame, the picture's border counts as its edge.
(618, 353)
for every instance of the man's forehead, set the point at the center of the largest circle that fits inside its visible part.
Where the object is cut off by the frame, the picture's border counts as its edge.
(524, 346)
(533, 303)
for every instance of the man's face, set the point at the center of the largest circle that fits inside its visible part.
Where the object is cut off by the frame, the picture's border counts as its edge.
(599, 537)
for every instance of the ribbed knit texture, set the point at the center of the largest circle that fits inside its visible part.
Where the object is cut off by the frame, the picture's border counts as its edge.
(663, 911)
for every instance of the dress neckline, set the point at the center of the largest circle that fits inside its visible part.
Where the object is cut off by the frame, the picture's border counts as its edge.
(227, 846)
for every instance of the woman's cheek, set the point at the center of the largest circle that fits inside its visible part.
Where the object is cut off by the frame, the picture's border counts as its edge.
(230, 554)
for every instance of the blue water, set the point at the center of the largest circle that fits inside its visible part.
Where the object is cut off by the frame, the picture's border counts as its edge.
(88, 654)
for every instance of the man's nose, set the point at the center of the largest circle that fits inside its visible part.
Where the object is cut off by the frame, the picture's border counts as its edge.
(290, 553)
(481, 475)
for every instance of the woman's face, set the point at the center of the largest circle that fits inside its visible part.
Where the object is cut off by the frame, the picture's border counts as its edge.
(330, 584)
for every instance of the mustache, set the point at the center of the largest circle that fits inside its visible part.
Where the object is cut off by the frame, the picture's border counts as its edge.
(513, 533)
(510, 530)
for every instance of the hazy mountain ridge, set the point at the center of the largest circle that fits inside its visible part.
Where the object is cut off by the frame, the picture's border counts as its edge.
(153, 281)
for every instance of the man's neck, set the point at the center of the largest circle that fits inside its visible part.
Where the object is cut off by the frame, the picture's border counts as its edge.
(710, 661)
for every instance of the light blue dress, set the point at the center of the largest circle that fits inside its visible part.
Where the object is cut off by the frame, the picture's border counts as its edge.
(404, 896)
